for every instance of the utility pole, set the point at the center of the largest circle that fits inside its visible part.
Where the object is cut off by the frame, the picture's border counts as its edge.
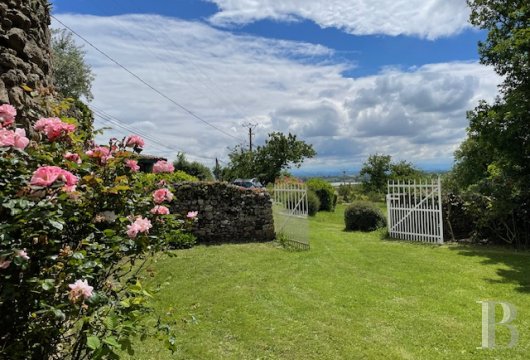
(251, 126)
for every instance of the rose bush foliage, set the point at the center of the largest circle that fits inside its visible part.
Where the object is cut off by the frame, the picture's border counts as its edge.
(76, 228)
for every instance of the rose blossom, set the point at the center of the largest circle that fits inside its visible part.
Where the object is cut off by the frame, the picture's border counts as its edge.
(7, 138)
(134, 141)
(4, 264)
(47, 175)
(140, 225)
(72, 157)
(22, 254)
(160, 210)
(7, 115)
(15, 138)
(132, 164)
(21, 141)
(80, 289)
(163, 166)
(192, 215)
(53, 128)
(161, 195)
(100, 152)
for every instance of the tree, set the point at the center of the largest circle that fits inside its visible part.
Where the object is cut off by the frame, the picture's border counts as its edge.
(493, 164)
(378, 169)
(280, 152)
(376, 172)
(194, 168)
(72, 76)
(404, 170)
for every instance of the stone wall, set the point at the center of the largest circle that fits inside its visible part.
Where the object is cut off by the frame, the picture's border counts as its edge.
(227, 213)
(25, 55)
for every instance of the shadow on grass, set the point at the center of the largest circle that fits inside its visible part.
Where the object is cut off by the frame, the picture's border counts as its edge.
(518, 263)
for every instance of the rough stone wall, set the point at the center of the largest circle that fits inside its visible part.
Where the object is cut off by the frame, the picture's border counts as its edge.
(25, 55)
(227, 213)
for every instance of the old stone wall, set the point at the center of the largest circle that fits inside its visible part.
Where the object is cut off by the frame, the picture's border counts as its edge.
(25, 55)
(227, 213)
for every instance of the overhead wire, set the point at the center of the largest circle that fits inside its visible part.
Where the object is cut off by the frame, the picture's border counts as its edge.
(182, 107)
(117, 122)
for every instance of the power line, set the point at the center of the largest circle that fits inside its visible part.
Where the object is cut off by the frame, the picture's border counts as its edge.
(182, 107)
(115, 121)
(219, 92)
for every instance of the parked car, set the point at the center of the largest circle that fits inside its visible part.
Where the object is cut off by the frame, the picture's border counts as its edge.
(248, 183)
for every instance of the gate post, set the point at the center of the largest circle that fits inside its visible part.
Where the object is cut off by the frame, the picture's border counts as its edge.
(441, 221)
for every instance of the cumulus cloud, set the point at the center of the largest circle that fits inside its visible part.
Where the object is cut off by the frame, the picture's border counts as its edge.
(423, 18)
(228, 80)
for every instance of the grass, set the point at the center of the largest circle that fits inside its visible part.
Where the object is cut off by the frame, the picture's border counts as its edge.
(352, 296)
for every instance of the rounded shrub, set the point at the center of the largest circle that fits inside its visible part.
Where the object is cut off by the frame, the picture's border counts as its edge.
(363, 216)
(325, 193)
(313, 203)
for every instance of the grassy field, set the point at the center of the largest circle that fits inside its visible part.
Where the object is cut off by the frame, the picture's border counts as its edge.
(352, 296)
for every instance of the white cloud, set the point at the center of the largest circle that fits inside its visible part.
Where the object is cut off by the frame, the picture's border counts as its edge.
(423, 18)
(415, 114)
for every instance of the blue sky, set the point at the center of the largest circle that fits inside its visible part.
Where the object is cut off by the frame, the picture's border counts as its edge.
(353, 77)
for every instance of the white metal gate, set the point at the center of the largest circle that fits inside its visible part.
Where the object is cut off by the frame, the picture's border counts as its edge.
(291, 213)
(415, 210)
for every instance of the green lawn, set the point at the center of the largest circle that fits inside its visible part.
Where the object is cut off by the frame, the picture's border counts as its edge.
(352, 296)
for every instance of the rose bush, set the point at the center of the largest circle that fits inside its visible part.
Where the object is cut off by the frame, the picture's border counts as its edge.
(76, 228)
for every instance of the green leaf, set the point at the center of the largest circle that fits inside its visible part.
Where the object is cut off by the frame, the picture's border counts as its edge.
(93, 342)
(109, 232)
(56, 224)
(111, 340)
(48, 284)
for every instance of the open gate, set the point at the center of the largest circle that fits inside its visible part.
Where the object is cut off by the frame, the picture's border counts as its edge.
(415, 210)
(291, 213)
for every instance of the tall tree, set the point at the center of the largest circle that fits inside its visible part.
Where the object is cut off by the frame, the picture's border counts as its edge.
(72, 76)
(494, 161)
(280, 152)
(376, 172)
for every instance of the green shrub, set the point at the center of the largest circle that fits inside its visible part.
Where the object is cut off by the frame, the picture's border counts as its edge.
(170, 178)
(325, 193)
(363, 216)
(313, 203)
(178, 239)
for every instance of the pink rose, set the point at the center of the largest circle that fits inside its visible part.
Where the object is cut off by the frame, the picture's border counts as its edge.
(7, 115)
(4, 264)
(132, 164)
(163, 166)
(47, 175)
(161, 195)
(22, 254)
(53, 128)
(80, 289)
(15, 138)
(7, 138)
(21, 141)
(100, 152)
(192, 215)
(160, 210)
(73, 157)
(134, 141)
(140, 225)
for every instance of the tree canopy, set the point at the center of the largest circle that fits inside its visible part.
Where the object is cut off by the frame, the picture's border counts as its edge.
(280, 152)
(194, 168)
(493, 163)
(379, 168)
(72, 76)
